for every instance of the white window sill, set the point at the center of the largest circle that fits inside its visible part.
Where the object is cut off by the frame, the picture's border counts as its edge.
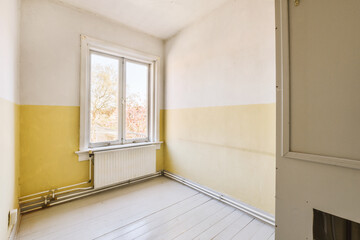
(84, 153)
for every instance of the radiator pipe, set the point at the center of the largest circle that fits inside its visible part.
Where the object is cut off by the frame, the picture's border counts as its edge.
(74, 189)
(29, 200)
(37, 208)
(75, 194)
(221, 198)
(34, 204)
(95, 191)
(35, 194)
(82, 193)
(53, 192)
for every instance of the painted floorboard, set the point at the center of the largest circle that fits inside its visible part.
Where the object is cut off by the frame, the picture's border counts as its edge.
(220, 226)
(165, 230)
(192, 221)
(250, 230)
(272, 237)
(263, 233)
(196, 230)
(234, 228)
(156, 209)
(139, 227)
(89, 208)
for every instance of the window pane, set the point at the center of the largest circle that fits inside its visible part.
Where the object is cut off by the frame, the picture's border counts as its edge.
(137, 76)
(104, 99)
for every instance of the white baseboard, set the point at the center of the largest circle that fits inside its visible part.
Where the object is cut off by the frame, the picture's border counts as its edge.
(257, 213)
(16, 227)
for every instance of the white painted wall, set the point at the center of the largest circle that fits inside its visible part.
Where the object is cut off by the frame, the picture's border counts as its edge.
(50, 49)
(9, 97)
(9, 50)
(226, 58)
(325, 115)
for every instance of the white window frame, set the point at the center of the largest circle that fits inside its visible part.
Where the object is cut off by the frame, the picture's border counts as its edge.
(89, 45)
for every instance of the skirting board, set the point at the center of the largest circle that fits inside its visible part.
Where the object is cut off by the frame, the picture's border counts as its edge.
(257, 213)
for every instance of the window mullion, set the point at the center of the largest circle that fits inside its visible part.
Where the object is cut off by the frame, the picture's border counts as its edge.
(123, 115)
(121, 97)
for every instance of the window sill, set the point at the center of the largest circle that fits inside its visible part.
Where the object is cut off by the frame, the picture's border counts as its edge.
(84, 153)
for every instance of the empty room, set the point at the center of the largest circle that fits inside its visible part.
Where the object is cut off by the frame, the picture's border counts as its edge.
(180, 119)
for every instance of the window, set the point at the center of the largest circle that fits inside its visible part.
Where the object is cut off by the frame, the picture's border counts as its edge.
(118, 102)
(118, 95)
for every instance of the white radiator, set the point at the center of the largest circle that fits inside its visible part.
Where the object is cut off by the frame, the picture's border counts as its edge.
(120, 165)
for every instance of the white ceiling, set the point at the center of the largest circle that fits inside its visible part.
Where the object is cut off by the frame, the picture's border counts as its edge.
(160, 18)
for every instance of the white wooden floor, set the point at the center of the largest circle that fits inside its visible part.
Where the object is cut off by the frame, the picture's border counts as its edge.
(156, 209)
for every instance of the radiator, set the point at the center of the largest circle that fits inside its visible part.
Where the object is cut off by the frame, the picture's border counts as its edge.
(120, 165)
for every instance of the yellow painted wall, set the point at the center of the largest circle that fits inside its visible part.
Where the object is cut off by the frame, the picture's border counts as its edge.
(160, 152)
(229, 149)
(9, 170)
(49, 139)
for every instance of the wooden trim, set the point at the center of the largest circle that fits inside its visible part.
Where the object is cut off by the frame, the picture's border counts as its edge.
(283, 92)
(84, 91)
(91, 44)
(283, 83)
(340, 162)
(84, 154)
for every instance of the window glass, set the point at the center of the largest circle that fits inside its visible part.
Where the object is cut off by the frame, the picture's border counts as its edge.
(136, 78)
(104, 120)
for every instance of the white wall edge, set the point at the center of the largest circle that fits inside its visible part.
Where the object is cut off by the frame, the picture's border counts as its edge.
(15, 229)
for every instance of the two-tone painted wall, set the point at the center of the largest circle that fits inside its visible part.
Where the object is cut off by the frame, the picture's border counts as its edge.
(219, 121)
(220, 102)
(50, 87)
(9, 111)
